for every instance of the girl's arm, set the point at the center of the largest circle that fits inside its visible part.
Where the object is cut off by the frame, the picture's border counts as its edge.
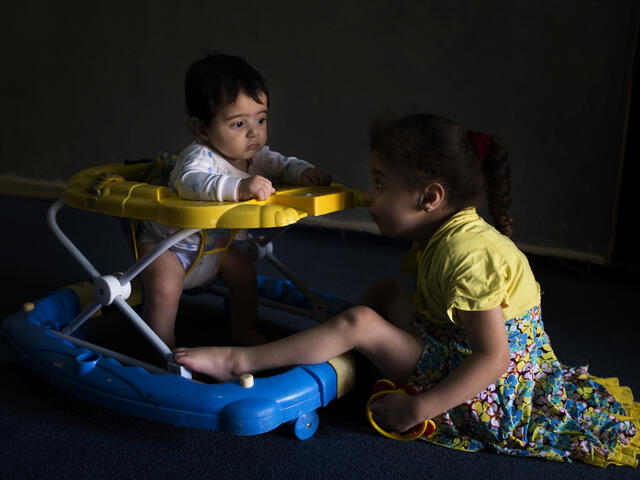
(490, 359)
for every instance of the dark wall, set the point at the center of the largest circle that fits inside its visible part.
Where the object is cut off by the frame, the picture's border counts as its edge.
(96, 82)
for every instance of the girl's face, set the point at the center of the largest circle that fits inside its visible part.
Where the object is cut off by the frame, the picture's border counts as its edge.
(395, 208)
(239, 129)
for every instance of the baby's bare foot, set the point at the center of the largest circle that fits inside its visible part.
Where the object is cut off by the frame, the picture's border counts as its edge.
(217, 362)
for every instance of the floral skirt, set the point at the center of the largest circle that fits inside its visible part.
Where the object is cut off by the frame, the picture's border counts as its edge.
(538, 408)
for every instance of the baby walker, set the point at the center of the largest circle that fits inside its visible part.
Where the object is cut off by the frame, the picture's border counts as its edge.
(48, 335)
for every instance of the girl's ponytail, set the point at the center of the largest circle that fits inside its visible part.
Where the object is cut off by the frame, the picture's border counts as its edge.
(497, 180)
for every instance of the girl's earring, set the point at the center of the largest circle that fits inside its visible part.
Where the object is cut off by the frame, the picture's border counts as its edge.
(427, 209)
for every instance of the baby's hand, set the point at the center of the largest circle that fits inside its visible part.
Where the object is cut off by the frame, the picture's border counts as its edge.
(256, 187)
(315, 176)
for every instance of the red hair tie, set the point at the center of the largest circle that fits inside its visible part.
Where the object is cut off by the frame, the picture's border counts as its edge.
(481, 141)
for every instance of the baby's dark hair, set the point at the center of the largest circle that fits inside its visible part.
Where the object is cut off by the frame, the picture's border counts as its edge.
(425, 148)
(216, 80)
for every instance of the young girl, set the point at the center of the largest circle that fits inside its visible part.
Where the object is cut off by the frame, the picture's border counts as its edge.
(478, 352)
(227, 102)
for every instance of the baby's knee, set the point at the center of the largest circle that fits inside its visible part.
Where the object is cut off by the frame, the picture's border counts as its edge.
(160, 291)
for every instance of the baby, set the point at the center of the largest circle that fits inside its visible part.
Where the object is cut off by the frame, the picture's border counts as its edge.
(227, 102)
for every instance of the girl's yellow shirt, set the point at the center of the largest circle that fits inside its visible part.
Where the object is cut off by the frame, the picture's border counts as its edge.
(469, 265)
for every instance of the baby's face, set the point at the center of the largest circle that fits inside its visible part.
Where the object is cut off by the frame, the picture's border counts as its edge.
(239, 129)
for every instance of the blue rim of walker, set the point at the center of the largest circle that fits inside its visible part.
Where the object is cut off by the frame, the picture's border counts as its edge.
(292, 396)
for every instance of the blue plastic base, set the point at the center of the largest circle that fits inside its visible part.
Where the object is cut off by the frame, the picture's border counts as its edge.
(292, 396)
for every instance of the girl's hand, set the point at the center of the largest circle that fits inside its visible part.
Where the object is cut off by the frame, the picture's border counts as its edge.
(315, 176)
(396, 412)
(256, 187)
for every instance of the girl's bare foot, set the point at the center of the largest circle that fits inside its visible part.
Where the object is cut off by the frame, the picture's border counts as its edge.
(217, 362)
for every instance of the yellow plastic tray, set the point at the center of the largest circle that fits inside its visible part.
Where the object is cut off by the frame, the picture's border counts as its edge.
(120, 195)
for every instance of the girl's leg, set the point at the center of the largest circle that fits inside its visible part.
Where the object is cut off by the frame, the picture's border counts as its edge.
(392, 300)
(394, 351)
(380, 296)
(162, 281)
(239, 274)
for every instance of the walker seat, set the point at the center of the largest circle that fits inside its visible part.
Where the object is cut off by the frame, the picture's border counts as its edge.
(41, 334)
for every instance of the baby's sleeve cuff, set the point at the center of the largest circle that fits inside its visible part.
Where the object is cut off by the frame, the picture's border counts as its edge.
(228, 188)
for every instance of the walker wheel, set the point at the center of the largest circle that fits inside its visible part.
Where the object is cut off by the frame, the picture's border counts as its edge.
(306, 425)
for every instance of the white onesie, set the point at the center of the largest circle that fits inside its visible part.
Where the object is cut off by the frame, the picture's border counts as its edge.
(202, 174)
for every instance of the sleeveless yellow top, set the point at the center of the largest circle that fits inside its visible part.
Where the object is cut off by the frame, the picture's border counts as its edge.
(469, 265)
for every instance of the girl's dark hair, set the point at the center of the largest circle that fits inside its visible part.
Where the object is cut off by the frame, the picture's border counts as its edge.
(216, 80)
(425, 148)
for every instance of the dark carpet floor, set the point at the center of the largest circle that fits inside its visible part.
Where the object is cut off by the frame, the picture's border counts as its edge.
(45, 433)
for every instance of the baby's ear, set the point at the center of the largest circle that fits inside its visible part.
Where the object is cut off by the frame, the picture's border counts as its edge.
(198, 127)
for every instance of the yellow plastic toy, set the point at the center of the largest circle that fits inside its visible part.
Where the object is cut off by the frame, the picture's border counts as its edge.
(385, 387)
